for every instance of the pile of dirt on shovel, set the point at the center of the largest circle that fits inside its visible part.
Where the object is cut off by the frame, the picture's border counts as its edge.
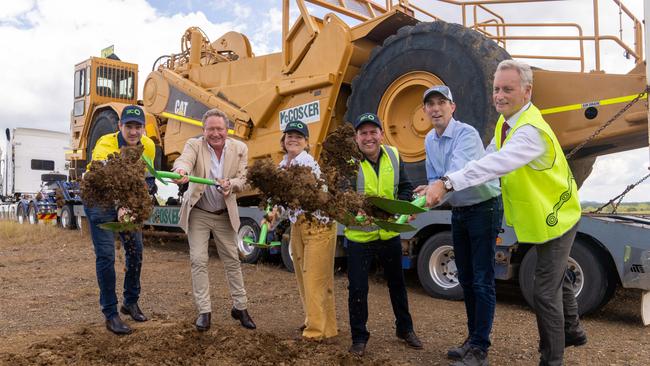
(119, 182)
(333, 194)
(173, 343)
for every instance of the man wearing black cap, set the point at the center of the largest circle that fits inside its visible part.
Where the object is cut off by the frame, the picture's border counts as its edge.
(131, 133)
(475, 220)
(381, 174)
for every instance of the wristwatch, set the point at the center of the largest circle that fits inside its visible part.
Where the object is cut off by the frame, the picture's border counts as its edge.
(447, 184)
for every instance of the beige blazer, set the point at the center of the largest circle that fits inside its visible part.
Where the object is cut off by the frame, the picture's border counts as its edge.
(195, 160)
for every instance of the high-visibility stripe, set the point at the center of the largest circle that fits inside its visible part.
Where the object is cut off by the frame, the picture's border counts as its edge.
(573, 107)
(188, 120)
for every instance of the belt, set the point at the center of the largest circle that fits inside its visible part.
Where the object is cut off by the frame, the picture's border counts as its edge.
(217, 212)
(476, 205)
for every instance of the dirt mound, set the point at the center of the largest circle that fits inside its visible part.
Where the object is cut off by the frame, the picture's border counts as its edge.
(119, 182)
(170, 343)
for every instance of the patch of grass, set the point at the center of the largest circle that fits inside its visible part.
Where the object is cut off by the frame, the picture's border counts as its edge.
(13, 233)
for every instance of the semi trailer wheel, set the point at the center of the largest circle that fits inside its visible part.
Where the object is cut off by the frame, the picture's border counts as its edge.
(247, 253)
(104, 123)
(397, 73)
(68, 220)
(32, 214)
(593, 285)
(437, 270)
(20, 214)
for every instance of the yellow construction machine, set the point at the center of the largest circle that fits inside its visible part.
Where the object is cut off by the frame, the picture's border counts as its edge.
(330, 71)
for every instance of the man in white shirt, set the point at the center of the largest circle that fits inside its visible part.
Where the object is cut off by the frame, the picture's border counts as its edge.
(540, 202)
(212, 209)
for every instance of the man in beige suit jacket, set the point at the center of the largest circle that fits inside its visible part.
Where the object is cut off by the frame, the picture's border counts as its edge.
(213, 209)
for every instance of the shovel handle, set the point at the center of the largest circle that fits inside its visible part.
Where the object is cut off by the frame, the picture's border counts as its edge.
(193, 179)
(420, 202)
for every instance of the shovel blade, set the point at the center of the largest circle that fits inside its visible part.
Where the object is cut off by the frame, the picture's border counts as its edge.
(392, 226)
(396, 206)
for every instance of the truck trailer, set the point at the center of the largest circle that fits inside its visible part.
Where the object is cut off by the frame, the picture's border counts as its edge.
(35, 186)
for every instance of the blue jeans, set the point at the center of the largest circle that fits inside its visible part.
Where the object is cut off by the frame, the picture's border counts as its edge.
(474, 229)
(360, 257)
(104, 244)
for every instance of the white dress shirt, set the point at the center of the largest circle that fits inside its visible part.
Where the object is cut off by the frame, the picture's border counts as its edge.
(527, 145)
(212, 199)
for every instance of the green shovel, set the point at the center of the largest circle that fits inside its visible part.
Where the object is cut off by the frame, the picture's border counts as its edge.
(261, 241)
(159, 174)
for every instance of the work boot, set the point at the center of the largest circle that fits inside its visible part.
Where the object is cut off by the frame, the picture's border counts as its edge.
(473, 357)
(203, 322)
(243, 317)
(134, 311)
(117, 326)
(457, 353)
(410, 338)
(357, 349)
(575, 339)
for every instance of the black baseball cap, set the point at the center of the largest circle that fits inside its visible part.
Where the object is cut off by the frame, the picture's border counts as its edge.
(298, 126)
(132, 113)
(440, 89)
(367, 118)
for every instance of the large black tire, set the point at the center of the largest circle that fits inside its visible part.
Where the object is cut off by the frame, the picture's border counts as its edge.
(594, 285)
(462, 58)
(68, 219)
(581, 168)
(104, 123)
(437, 268)
(247, 253)
(285, 250)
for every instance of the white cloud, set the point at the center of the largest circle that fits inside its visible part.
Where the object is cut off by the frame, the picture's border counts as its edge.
(11, 9)
(62, 33)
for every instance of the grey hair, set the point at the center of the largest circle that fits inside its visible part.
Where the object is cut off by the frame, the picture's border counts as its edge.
(523, 69)
(214, 112)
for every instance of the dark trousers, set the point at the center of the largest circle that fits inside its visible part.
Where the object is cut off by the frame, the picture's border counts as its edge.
(360, 257)
(104, 244)
(556, 308)
(474, 230)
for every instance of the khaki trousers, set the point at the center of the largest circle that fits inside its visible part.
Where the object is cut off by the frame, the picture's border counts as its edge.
(201, 224)
(312, 248)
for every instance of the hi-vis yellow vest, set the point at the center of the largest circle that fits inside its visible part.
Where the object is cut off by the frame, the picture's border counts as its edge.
(384, 185)
(541, 203)
(109, 144)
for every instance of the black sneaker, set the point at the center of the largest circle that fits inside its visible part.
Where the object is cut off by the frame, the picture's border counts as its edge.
(357, 349)
(575, 339)
(457, 353)
(411, 339)
(474, 357)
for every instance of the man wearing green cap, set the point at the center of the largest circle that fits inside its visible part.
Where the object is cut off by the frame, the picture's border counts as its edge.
(131, 133)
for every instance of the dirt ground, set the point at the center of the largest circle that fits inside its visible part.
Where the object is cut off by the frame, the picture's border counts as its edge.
(49, 315)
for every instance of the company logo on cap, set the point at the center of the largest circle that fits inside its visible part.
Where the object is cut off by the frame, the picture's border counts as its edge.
(296, 124)
(135, 111)
(368, 117)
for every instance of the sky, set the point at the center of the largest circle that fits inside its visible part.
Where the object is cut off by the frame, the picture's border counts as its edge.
(42, 40)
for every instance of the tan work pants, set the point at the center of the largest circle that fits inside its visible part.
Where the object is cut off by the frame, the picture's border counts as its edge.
(201, 223)
(312, 248)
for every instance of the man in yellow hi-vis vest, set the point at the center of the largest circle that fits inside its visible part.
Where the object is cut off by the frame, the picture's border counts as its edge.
(381, 174)
(540, 200)
(131, 133)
